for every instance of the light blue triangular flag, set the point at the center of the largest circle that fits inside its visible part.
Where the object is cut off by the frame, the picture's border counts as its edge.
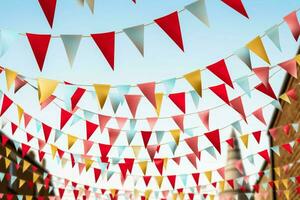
(20, 197)
(276, 150)
(265, 186)
(156, 194)
(103, 166)
(159, 136)
(273, 34)
(7, 38)
(130, 135)
(16, 144)
(195, 97)
(71, 43)
(237, 126)
(75, 119)
(243, 83)
(88, 115)
(45, 174)
(121, 150)
(293, 179)
(211, 150)
(132, 124)
(292, 143)
(172, 146)
(276, 104)
(57, 135)
(109, 175)
(68, 93)
(38, 125)
(115, 100)
(249, 196)
(250, 159)
(189, 131)
(169, 85)
(123, 90)
(183, 178)
(240, 180)
(295, 127)
(1, 176)
(244, 55)
(18, 159)
(57, 159)
(136, 35)
(198, 9)
(12, 179)
(115, 160)
(267, 173)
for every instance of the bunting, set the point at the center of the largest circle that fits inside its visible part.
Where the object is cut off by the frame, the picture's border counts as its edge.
(48, 7)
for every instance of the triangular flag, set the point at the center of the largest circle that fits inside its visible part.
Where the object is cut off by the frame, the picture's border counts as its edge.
(88, 163)
(48, 7)
(136, 35)
(47, 130)
(146, 137)
(244, 54)
(76, 97)
(121, 121)
(151, 149)
(237, 5)
(273, 34)
(158, 100)
(10, 76)
(20, 112)
(290, 66)
(266, 89)
(169, 85)
(90, 129)
(25, 149)
(256, 45)
(170, 24)
(71, 43)
(6, 103)
(214, 138)
(130, 135)
(159, 136)
(46, 88)
(243, 82)
(208, 175)
(39, 45)
(257, 135)
(172, 180)
(115, 100)
(198, 9)
(193, 144)
(19, 83)
(179, 100)
(259, 115)
(7, 38)
(148, 89)
(293, 23)
(104, 149)
(71, 140)
(64, 117)
(263, 74)
(237, 105)
(204, 117)
(133, 102)
(87, 145)
(143, 166)
(221, 92)
(265, 155)
(194, 78)
(176, 135)
(195, 98)
(113, 135)
(152, 121)
(244, 139)
(102, 91)
(103, 120)
(106, 43)
(179, 120)
(285, 98)
(220, 70)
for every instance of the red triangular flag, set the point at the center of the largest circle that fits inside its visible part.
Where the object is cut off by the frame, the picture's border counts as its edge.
(179, 100)
(151, 149)
(290, 66)
(262, 73)
(196, 177)
(4, 139)
(41, 143)
(237, 105)
(61, 192)
(179, 120)
(177, 160)
(292, 93)
(104, 149)
(204, 117)
(39, 45)
(293, 23)
(152, 121)
(106, 43)
(103, 119)
(221, 92)
(72, 160)
(19, 83)
(25, 149)
(133, 102)
(192, 158)
(231, 183)
(6, 103)
(159, 163)
(286, 129)
(221, 171)
(146, 136)
(113, 135)
(76, 97)
(29, 137)
(90, 128)
(170, 24)
(257, 135)
(230, 142)
(214, 138)
(123, 169)
(60, 153)
(64, 117)
(87, 145)
(27, 119)
(41, 155)
(13, 128)
(259, 115)
(172, 180)
(193, 144)
(237, 5)
(148, 89)
(220, 70)
(266, 89)
(287, 147)
(121, 121)
(147, 179)
(75, 193)
(48, 7)
(97, 173)
(129, 162)
(265, 155)
(47, 130)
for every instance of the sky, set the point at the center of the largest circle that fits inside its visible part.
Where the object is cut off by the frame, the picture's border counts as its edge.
(228, 32)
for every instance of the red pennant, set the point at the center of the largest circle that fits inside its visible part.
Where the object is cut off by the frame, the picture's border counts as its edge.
(41, 155)
(27, 119)
(129, 163)
(48, 7)
(293, 23)
(159, 163)
(151, 149)
(47, 130)
(259, 115)
(179, 120)
(256, 188)
(287, 147)
(221, 92)
(286, 129)
(106, 43)
(177, 160)
(41, 144)
(39, 45)
(237, 5)
(266, 89)
(4, 139)
(148, 89)
(230, 142)
(147, 179)
(221, 171)
(6, 103)
(146, 136)
(60, 153)
(103, 120)
(292, 93)
(257, 135)
(19, 83)
(152, 121)
(220, 70)
(72, 160)
(87, 145)
(265, 155)
(64, 117)
(25, 149)
(75, 193)
(10, 196)
(90, 129)
(237, 105)
(121, 121)
(273, 132)
(192, 158)
(104, 149)
(13, 128)
(231, 183)
(179, 100)
(290, 66)
(170, 24)
(172, 180)
(196, 177)
(133, 102)
(204, 117)
(263, 74)
(123, 169)
(214, 138)
(193, 144)
(45, 103)
(76, 97)
(61, 192)
(191, 196)
(113, 135)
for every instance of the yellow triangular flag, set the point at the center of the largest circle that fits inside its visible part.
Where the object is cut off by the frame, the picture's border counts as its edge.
(297, 58)
(7, 163)
(257, 46)
(136, 193)
(53, 150)
(181, 195)
(221, 185)
(158, 100)
(211, 197)
(136, 150)
(174, 196)
(285, 182)
(276, 184)
(20, 112)
(194, 78)
(159, 180)
(46, 88)
(10, 77)
(208, 175)
(176, 135)
(28, 197)
(21, 183)
(244, 139)
(285, 98)
(287, 194)
(143, 166)
(88, 163)
(147, 194)
(7, 151)
(165, 164)
(39, 187)
(71, 140)
(113, 192)
(35, 177)
(102, 91)
(277, 171)
(25, 165)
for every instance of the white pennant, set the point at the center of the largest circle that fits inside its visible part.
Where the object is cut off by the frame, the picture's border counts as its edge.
(198, 9)
(273, 34)
(136, 35)
(71, 43)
